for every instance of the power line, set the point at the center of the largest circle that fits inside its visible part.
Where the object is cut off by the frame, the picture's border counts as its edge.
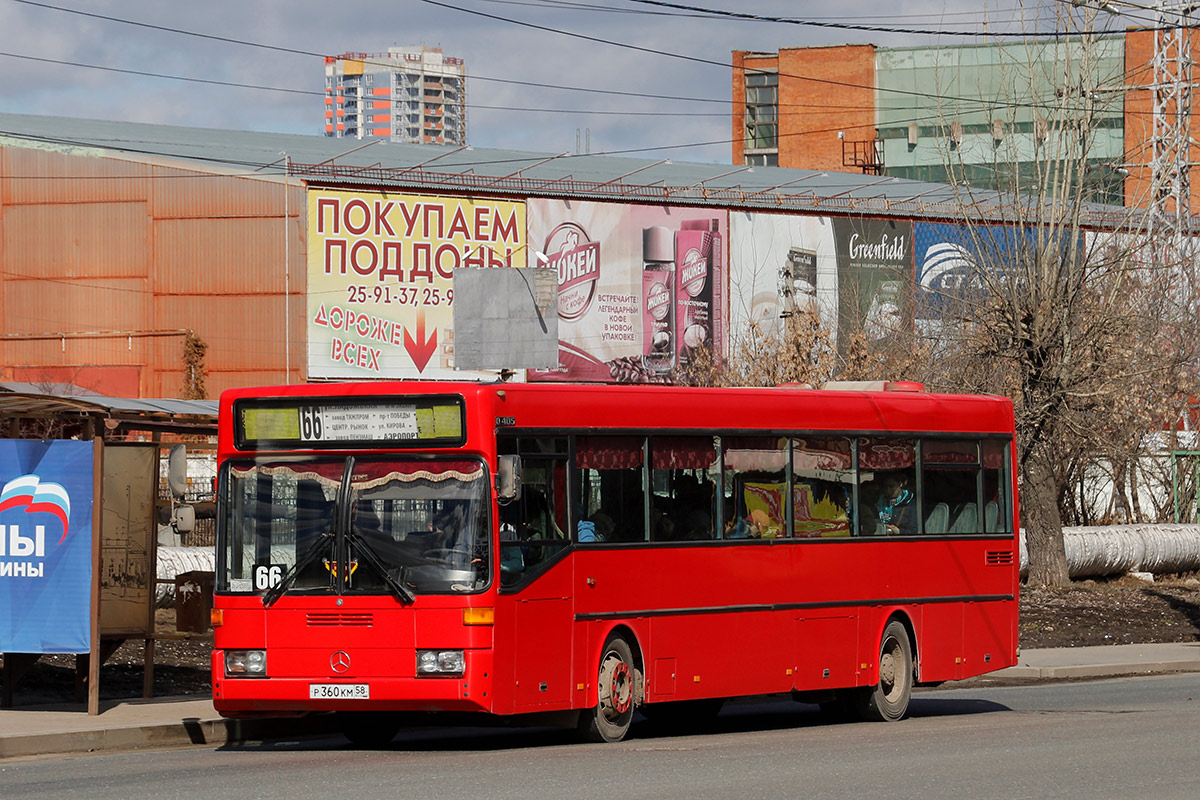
(167, 29)
(568, 5)
(972, 101)
(726, 65)
(247, 43)
(811, 22)
(144, 74)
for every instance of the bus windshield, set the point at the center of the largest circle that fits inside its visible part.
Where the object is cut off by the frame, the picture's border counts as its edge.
(354, 526)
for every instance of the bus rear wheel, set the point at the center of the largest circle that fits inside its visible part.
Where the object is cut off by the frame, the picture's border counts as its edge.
(616, 684)
(887, 700)
(369, 729)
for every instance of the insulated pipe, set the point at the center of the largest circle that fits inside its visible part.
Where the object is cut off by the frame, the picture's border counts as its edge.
(1095, 552)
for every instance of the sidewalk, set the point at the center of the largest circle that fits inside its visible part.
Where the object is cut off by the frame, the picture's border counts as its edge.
(184, 721)
(1103, 661)
(139, 724)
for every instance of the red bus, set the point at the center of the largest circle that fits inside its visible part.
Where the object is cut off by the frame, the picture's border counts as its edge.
(585, 552)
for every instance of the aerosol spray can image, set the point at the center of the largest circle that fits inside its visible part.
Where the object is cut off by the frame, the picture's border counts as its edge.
(697, 249)
(658, 299)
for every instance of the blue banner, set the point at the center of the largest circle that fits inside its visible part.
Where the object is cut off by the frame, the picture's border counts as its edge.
(45, 546)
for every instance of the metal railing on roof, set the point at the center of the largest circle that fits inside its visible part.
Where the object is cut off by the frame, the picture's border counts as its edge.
(990, 208)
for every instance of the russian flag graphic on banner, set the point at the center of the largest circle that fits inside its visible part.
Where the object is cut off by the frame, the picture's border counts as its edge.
(37, 495)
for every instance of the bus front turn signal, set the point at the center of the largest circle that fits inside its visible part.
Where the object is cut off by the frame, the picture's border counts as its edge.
(479, 616)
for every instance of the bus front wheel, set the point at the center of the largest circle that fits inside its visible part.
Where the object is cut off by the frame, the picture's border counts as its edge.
(887, 700)
(616, 684)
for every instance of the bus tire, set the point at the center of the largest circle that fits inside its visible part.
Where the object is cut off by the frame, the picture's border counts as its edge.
(370, 730)
(616, 689)
(887, 700)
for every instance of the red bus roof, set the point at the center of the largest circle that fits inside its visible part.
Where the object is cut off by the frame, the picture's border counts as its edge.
(654, 407)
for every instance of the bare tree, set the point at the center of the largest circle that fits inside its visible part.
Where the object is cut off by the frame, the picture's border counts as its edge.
(1087, 334)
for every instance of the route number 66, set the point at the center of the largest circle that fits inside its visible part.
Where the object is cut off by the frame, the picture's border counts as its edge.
(267, 576)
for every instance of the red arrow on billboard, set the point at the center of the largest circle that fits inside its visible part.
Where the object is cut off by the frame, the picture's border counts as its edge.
(420, 350)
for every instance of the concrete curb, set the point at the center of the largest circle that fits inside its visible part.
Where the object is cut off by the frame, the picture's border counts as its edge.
(1022, 672)
(183, 733)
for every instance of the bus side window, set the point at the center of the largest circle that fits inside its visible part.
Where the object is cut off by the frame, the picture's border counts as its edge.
(888, 504)
(532, 528)
(997, 510)
(951, 485)
(822, 486)
(681, 505)
(755, 487)
(611, 502)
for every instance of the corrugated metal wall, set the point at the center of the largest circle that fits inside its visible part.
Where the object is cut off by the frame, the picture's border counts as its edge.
(110, 261)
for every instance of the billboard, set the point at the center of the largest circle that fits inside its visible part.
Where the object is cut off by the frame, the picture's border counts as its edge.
(380, 269)
(640, 288)
(780, 264)
(875, 270)
(45, 546)
(950, 265)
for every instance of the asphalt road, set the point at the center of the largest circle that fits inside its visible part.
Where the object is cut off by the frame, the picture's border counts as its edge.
(1126, 738)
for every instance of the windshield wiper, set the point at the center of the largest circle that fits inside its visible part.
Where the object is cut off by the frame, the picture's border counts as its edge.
(277, 591)
(398, 589)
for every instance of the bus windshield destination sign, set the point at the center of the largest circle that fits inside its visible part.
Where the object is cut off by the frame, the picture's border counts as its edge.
(326, 422)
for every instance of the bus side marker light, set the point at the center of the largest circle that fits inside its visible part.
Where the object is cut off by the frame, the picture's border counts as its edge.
(479, 616)
(217, 617)
(695, 679)
(579, 687)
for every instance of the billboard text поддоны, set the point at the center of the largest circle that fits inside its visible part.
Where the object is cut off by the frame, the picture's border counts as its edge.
(380, 290)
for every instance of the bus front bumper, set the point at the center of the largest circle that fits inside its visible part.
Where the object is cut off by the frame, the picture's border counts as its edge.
(274, 696)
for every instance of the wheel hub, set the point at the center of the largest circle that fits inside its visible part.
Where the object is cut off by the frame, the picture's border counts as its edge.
(616, 686)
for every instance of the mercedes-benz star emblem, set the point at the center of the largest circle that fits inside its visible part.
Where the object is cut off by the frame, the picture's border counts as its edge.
(340, 661)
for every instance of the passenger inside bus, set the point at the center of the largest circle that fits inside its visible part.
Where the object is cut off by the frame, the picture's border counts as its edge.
(596, 528)
(890, 501)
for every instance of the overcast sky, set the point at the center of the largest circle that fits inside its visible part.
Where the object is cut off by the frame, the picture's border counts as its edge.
(280, 43)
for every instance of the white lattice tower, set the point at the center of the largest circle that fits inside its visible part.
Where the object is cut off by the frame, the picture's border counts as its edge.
(1171, 134)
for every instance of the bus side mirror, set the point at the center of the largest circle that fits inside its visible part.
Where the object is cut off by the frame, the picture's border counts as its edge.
(183, 517)
(177, 471)
(184, 520)
(508, 479)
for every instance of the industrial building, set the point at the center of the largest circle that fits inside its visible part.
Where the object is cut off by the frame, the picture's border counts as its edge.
(910, 111)
(157, 261)
(408, 94)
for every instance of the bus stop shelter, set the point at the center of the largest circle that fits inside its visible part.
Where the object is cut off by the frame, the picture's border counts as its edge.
(123, 438)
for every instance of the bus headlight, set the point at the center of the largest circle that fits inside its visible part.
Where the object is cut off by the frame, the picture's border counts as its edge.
(250, 663)
(440, 662)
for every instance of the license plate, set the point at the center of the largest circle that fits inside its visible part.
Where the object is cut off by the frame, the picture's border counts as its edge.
(339, 691)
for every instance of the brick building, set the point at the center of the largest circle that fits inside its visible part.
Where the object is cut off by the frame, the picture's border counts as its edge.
(908, 112)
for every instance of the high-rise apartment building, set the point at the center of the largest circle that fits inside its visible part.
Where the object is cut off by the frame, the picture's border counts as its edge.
(408, 94)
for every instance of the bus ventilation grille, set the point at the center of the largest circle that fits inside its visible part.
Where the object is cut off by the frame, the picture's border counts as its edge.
(337, 619)
(999, 557)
